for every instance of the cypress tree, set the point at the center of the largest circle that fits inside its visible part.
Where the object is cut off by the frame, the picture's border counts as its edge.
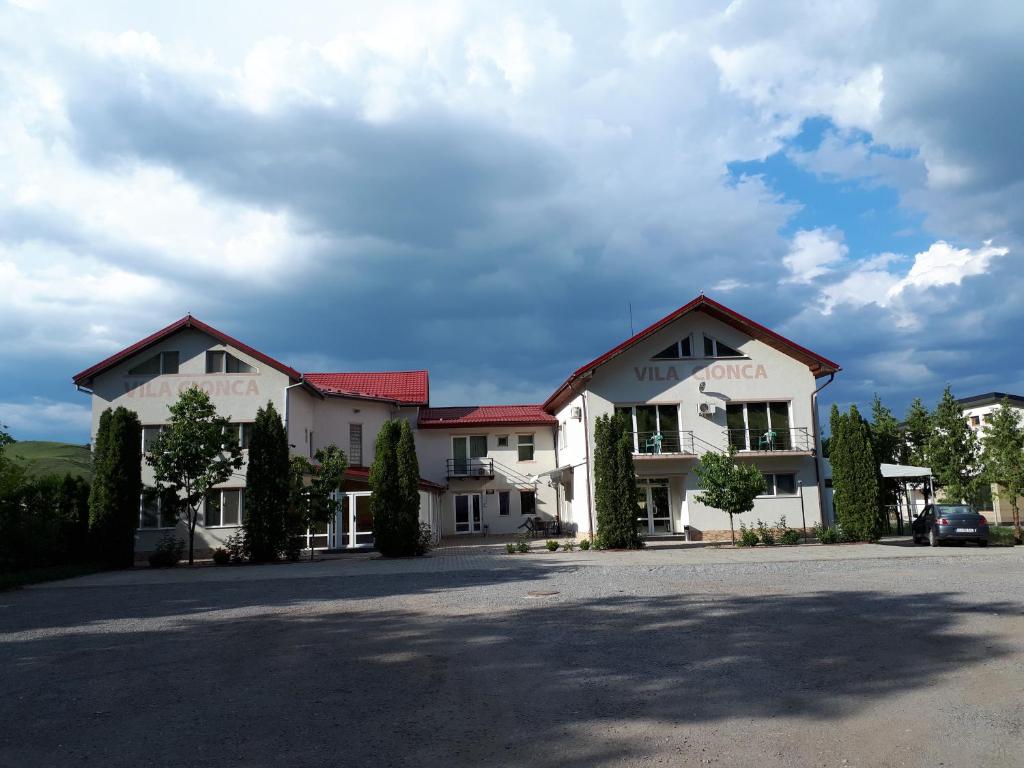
(117, 487)
(615, 484)
(917, 430)
(952, 451)
(266, 487)
(394, 497)
(886, 447)
(854, 475)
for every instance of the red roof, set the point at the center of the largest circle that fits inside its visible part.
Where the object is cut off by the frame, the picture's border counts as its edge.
(819, 365)
(86, 376)
(404, 387)
(362, 474)
(485, 415)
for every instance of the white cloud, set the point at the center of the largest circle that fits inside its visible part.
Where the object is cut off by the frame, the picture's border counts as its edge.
(41, 417)
(813, 253)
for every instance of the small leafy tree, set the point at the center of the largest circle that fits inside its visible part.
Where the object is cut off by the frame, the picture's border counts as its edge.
(196, 452)
(727, 485)
(313, 503)
(266, 487)
(1002, 458)
(854, 475)
(952, 451)
(615, 496)
(394, 486)
(116, 487)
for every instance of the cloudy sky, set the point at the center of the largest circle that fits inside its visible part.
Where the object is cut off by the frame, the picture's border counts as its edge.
(483, 189)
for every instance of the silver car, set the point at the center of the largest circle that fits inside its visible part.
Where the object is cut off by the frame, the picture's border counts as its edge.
(939, 523)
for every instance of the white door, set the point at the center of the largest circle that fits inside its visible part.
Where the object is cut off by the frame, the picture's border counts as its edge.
(655, 516)
(467, 513)
(354, 522)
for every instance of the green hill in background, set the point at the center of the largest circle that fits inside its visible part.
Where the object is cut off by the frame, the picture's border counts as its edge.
(41, 457)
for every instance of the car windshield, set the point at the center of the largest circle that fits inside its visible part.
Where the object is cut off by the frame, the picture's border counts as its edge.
(954, 509)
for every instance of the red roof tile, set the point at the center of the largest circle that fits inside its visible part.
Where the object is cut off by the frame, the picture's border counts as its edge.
(485, 415)
(819, 365)
(362, 474)
(86, 376)
(404, 387)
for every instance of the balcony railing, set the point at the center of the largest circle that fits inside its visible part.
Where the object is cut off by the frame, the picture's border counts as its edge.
(663, 443)
(482, 467)
(793, 439)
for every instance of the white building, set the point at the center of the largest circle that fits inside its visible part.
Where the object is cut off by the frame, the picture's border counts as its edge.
(700, 379)
(977, 410)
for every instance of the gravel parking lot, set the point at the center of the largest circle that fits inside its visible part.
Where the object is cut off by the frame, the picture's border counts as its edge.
(871, 655)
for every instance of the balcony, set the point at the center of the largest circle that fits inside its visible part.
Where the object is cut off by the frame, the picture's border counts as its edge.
(482, 468)
(789, 440)
(668, 443)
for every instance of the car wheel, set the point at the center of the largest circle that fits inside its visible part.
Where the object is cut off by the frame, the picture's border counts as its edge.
(933, 540)
(982, 542)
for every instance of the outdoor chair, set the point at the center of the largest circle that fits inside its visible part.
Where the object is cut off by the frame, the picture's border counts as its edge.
(767, 441)
(653, 444)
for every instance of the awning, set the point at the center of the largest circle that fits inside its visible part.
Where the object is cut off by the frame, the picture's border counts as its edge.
(905, 470)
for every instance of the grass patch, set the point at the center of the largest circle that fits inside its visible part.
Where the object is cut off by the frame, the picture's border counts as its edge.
(50, 573)
(998, 536)
(43, 457)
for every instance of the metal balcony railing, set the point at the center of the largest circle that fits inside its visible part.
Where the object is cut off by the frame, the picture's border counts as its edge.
(797, 439)
(482, 467)
(663, 443)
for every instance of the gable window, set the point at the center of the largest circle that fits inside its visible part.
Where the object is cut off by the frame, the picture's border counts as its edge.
(355, 445)
(527, 502)
(503, 503)
(676, 351)
(219, 361)
(526, 447)
(780, 484)
(759, 426)
(160, 363)
(223, 507)
(655, 428)
(714, 348)
(158, 510)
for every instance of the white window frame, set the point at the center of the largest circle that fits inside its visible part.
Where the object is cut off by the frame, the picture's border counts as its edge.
(714, 348)
(353, 428)
(163, 366)
(530, 442)
(225, 355)
(746, 419)
(241, 507)
(772, 491)
(679, 349)
(657, 419)
(159, 515)
(161, 428)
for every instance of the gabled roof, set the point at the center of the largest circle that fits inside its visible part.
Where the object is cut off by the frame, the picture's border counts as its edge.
(976, 401)
(362, 475)
(403, 387)
(818, 365)
(485, 415)
(86, 376)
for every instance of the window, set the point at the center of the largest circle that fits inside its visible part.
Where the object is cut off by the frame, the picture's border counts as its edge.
(526, 447)
(355, 445)
(219, 361)
(975, 421)
(242, 432)
(223, 507)
(527, 502)
(149, 435)
(503, 503)
(780, 484)
(162, 362)
(158, 510)
(503, 441)
(675, 351)
(759, 426)
(655, 428)
(563, 438)
(714, 348)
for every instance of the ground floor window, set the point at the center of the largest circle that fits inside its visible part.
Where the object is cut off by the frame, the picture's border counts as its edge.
(504, 503)
(780, 484)
(223, 507)
(528, 502)
(158, 510)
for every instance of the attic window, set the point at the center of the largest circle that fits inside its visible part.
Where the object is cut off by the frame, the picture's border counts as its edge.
(715, 348)
(675, 351)
(218, 361)
(162, 362)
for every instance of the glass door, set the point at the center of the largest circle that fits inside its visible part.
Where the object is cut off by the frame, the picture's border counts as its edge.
(466, 448)
(655, 516)
(354, 522)
(467, 513)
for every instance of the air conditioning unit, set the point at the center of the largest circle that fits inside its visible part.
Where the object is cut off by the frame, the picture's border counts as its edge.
(706, 409)
(577, 413)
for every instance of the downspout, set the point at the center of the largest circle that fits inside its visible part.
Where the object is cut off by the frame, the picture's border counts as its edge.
(816, 424)
(558, 485)
(586, 458)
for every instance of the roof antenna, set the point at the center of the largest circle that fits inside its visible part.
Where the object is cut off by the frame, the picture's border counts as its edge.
(631, 318)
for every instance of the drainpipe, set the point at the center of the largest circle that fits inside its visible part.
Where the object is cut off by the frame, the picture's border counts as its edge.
(558, 485)
(815, 424)
(586, 457)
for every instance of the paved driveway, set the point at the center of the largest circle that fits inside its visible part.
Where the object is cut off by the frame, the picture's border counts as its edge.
(859, 655)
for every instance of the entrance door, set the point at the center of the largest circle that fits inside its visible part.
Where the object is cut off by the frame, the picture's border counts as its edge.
(467, 513)
(655, 507)
(354, 523)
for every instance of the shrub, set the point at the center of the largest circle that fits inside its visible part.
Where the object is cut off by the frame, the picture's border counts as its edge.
(790, 536)
(522, 545)
(168, 552)
(569, 546)
(1000, 537)
(827, 534)
(221, 556)
(748, 536)
(235, 545)
(425, 540)
(585, 544)
(765, 534)
(510, 547)
(552, 545)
